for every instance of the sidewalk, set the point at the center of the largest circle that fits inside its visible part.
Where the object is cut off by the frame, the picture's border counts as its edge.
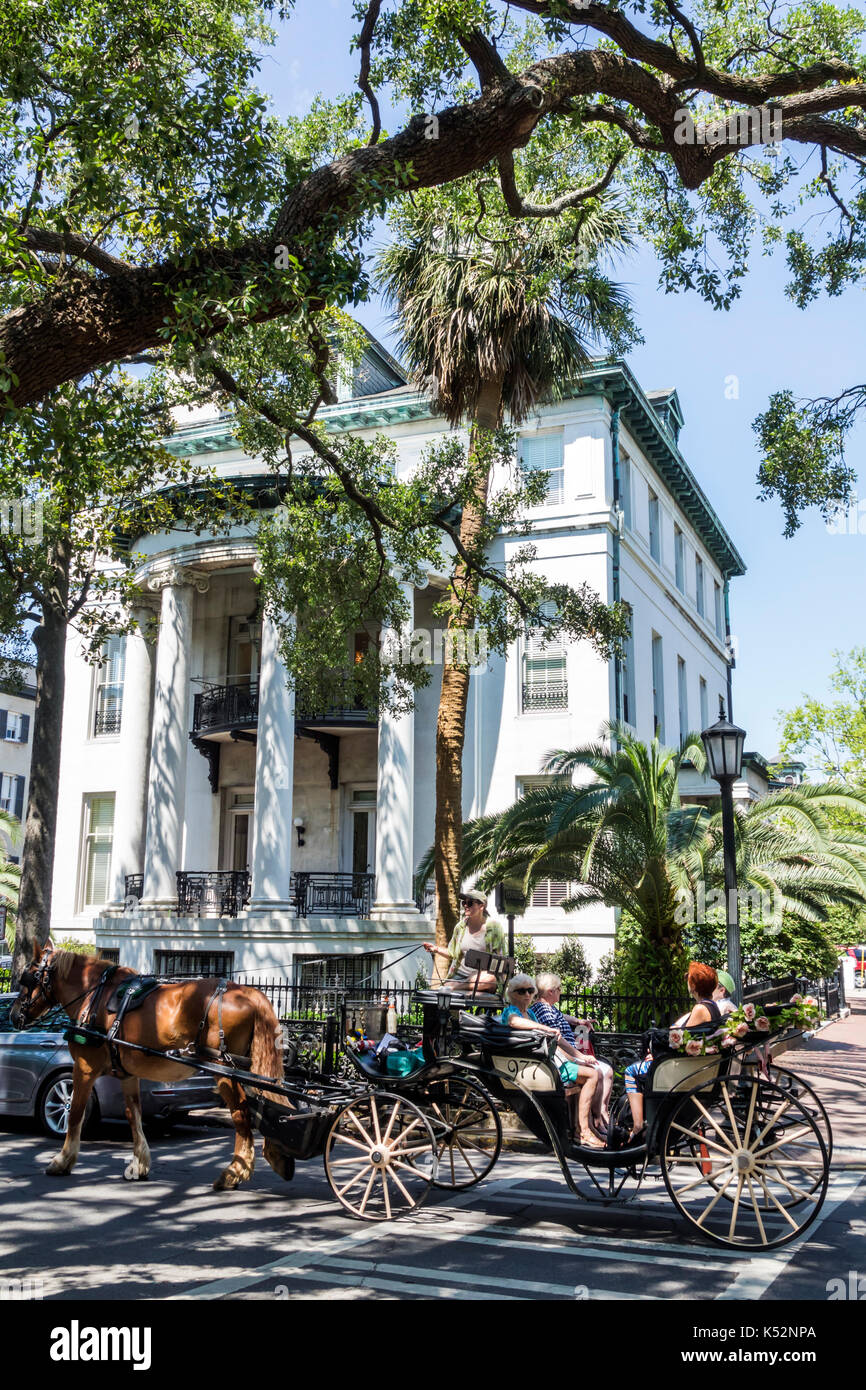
(834, 1063)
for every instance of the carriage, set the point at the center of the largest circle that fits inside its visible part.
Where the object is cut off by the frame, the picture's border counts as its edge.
(743, 1145)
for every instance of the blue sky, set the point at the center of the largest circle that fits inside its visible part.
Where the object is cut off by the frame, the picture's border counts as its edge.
(801, 598)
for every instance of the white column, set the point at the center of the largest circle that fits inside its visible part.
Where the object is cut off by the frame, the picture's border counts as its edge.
(275, 766)
(130, 807)
(395, 807)
(170, 739)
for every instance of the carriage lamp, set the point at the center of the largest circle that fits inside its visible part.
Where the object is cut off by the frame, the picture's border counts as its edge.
(724, 742)
(299, 827)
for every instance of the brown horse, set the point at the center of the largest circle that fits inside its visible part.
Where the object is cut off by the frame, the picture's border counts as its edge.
(171, 1016)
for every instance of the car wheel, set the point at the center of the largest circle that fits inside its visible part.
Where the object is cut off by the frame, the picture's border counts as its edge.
(52, 1108)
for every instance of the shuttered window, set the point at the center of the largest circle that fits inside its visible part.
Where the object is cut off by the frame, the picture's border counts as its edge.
(658, 689)
(543, 454)
(108, 701)
(549, 892)
(545, 684)
(14, 726)
(699, 584)
(99, 829)
(12, 795)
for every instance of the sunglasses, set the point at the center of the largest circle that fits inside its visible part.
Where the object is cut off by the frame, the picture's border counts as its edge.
(523, 991)
(470, 902)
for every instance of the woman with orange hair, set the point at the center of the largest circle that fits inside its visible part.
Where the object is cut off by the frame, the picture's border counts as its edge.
(702, 981)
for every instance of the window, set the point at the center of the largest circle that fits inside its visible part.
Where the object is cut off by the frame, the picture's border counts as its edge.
(625, 488)
(96, 856)
(549, 892)
(245, 641)
(705, 705)
(12, 795)
(108, 701)
(699, 584)
(545, 684)
(215, 963)
(658, 688)
(543, 454)
(718, 612)
(341, 972)
(14, 726)
(680, 559)
(629, 708)
(682, 698)
(654, 534)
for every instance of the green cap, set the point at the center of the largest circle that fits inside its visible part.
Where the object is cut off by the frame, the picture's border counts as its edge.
(725, 981)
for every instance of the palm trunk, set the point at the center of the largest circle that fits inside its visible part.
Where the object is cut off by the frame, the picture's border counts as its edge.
(34, 903)
(454, 697)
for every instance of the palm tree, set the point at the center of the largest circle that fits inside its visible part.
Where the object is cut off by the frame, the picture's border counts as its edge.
(624, 838)
(10, 874)
(497, 325)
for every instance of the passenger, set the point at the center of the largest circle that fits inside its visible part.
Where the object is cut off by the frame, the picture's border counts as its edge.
(580, 1080)
(546, 1009)
(477, 932)
(722, 993)
(702, 981)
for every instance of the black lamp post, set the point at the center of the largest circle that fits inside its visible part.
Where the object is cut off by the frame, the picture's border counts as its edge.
(723, 742)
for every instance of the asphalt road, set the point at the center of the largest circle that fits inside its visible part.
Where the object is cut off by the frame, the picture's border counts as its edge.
(518, 1236)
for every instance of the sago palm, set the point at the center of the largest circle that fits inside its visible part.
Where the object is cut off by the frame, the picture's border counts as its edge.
(492, 326)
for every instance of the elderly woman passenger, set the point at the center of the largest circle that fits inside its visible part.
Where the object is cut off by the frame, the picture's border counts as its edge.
(546, 1009)
(580, 1080)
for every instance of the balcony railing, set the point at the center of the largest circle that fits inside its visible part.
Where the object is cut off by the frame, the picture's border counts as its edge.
(214, 893)
(225, 707)
(544, 697)
(106, 721)
(133, 886)
(333, 894)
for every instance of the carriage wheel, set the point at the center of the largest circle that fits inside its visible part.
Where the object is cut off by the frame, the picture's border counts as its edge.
(754, 1145)
(380, 1156)
(794, 1085)
(468, 1131)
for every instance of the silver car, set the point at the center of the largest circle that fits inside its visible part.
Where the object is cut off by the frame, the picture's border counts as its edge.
(36, 1079)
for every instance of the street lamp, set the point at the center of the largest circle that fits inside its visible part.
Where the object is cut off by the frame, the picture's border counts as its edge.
(723, 742)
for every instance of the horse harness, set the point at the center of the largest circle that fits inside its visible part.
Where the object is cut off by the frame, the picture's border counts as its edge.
(129, 995)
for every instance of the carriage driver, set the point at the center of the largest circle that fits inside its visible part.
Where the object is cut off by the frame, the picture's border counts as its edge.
(477, 932)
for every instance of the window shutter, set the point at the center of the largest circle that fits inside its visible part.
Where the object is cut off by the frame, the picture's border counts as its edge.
(543, 454)
(3, 713)
(19, 797)
(25, 728)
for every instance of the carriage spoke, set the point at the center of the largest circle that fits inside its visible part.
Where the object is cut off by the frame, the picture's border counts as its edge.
(769, 1195)
(355, 1158)
(784, 1104)
(750, 1117)
(734, 1126)
(721, 1192)
(702, 1139)
(354, 1143)
(404, 1134)
(409, 1198)
(394, 1114)
(791, 1138)
(797, 1191)
(360, 1128)
(341, 1192)
(699, 1182)
(757, 1211)
(374, 1111)
(466, 1160)
(384, 1177)
(366, 1195)
(735, 1208)
(712, 1123)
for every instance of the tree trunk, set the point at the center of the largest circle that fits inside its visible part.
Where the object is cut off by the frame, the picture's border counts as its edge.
(454, 697)
(34, 904)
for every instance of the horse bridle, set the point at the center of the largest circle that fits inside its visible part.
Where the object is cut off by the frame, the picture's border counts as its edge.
(37, 981)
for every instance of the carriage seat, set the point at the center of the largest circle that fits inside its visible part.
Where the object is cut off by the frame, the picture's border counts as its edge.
(492, 1035)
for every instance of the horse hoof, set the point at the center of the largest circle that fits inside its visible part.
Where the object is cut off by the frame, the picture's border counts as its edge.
(226, 1181)
(133, 1172)
(56, 1169)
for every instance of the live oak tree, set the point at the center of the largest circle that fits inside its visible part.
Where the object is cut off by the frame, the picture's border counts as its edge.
(149, 195)
(91, 466)
(832, 734)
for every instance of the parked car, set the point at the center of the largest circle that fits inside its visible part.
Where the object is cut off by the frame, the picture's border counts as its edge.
(36, 1079)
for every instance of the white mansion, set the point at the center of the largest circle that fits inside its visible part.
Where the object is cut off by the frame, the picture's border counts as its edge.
(206, 823)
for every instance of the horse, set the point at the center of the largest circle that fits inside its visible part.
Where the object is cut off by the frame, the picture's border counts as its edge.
(170, 1016)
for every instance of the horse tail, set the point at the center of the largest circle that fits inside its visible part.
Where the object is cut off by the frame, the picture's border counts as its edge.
(266, 1052)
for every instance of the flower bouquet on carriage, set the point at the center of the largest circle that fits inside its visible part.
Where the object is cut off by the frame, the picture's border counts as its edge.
(748, 1023)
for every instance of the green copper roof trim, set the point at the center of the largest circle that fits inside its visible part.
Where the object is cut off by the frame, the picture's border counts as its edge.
(613, 380)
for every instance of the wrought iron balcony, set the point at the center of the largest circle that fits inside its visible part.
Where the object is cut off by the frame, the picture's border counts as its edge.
(213, 893)
(332, 894)
(106, 721)
(225, 707)
(133, 886)
(545, 697)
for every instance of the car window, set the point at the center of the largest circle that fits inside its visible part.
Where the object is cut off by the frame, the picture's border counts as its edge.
(5, 1010)
(56, 1020)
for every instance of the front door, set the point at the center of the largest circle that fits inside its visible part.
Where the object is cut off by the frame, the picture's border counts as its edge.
(239, 832)
(359, 855)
